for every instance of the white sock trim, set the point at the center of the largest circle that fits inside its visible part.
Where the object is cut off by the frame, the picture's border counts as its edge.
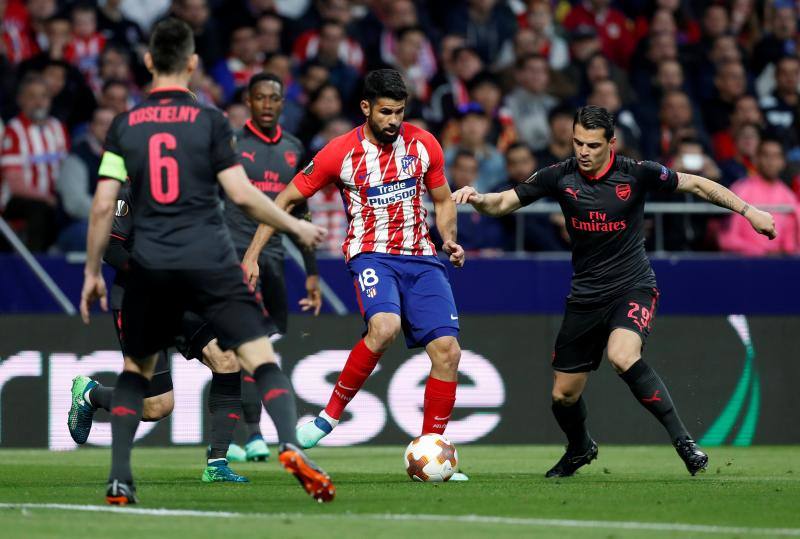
(333, 422)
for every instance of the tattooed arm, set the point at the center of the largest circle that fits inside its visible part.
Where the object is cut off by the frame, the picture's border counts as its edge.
(719, 195)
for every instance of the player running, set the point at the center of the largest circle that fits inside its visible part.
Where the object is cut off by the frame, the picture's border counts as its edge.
(271, 157)
(224, 399)
(614, 296)
(174, 151)
(382, 169)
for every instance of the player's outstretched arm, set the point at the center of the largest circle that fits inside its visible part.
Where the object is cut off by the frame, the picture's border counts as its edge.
(100, 219)
(494, 204)
(245, 195)
(761, 221)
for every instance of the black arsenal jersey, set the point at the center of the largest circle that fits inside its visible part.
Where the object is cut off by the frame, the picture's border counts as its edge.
(171, 148)
(604, 218)
(270, 163)
(122, 243)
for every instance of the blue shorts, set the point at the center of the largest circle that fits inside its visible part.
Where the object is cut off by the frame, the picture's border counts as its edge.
(414, 287)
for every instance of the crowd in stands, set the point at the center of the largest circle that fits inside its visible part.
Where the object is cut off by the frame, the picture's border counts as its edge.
(703, 86)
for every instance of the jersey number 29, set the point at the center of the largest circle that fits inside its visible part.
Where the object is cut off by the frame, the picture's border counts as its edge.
(163, 193)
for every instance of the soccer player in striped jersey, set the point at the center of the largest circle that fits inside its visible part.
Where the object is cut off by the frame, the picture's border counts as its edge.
(383, 168)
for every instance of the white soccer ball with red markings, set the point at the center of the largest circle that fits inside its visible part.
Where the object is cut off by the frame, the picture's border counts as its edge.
(431, 457)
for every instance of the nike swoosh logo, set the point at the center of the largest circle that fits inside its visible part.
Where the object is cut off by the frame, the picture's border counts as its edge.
(345, 387)
(453, 317)
(441, 418)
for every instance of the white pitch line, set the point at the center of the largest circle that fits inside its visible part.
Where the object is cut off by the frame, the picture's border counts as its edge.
(477, 519)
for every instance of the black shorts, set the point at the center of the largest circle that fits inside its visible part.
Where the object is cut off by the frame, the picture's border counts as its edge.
(161, 382)
(273, 290)
(585, 329)
(155, 302)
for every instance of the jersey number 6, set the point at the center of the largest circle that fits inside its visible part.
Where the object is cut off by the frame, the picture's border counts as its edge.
(163, 194)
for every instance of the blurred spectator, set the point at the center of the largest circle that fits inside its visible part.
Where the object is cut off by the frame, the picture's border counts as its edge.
(540, 232)
(410, 40)
(115, 96)
(731, 83)
(40, 12)
(474, 138)
(685, 27)
(331, 39)
(765, 188)
(339, 48)
(84, 48)
(529, 103)
(613, 27)
(451, 94)
(204, 88)
(313, 75)
(476, 232)
(237, 114)
(559, 146)
(244, 60)
(541, 35)
(597, 69)
(746, 139)
(745, 111)
(15, 32)
(145, 13)
(486, 92)
(117, 28)
(34, 145)
(270, 29)
(606, 94)
(77, 181)
(403, 14)
(781, 41)
(780, 108)
(330, 130)
(207, 37)
(328, 211)
(489, 26)
(323, 105)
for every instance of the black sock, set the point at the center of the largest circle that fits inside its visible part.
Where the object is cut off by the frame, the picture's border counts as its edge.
(100, 396)
(572, 420)
(650, 391)
(225, 407)
(251, 406)
(127, 402)
(278, 398)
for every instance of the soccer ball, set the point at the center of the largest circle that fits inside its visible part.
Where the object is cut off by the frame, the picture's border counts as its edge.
(430, 457)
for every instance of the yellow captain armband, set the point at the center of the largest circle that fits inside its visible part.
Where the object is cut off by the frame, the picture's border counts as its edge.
(113, 166)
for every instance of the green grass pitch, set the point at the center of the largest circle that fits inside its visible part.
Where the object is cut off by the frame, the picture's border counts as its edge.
(635, 491)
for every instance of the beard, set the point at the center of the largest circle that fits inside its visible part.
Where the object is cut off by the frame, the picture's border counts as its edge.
(382, 136)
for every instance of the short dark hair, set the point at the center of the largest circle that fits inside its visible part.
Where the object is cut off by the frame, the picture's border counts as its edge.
(771, 139)
(29, 80)
(523, 60)
(113, 82)
(384, 83)
(171, 45)
(559, 110)
(594, 117)
(401, 32)
(519, 146)
(464, 154)
(264, 77)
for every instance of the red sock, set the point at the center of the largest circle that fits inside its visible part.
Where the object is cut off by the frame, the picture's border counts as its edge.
(440, 397)
(357, 369)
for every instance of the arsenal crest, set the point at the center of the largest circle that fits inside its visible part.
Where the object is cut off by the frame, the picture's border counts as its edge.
(291, 158)
(623, 191)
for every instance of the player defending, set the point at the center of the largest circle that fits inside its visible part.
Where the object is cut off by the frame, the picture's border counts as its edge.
(174, 151)
(271, 157)
(383, 168)
(614, 296)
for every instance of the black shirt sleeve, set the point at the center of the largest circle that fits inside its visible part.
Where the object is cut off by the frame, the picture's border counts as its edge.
(301, 211)
(223, 144)
(117, 253)
(543, 182)
(657, 177)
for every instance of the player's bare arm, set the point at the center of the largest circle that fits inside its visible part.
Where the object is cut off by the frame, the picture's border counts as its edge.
(719, 195)
(100, 220)
(445, 210)
(285, 201)
(249, 198)
(494, 204)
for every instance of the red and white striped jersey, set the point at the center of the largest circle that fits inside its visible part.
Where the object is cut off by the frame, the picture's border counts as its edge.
(37, 150)
(382, 188)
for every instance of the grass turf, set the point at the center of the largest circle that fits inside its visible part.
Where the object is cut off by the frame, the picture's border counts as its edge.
(750, 487)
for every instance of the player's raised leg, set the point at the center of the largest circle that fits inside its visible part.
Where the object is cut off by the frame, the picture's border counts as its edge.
(383, 330)
(624, 353)
(277, 396)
